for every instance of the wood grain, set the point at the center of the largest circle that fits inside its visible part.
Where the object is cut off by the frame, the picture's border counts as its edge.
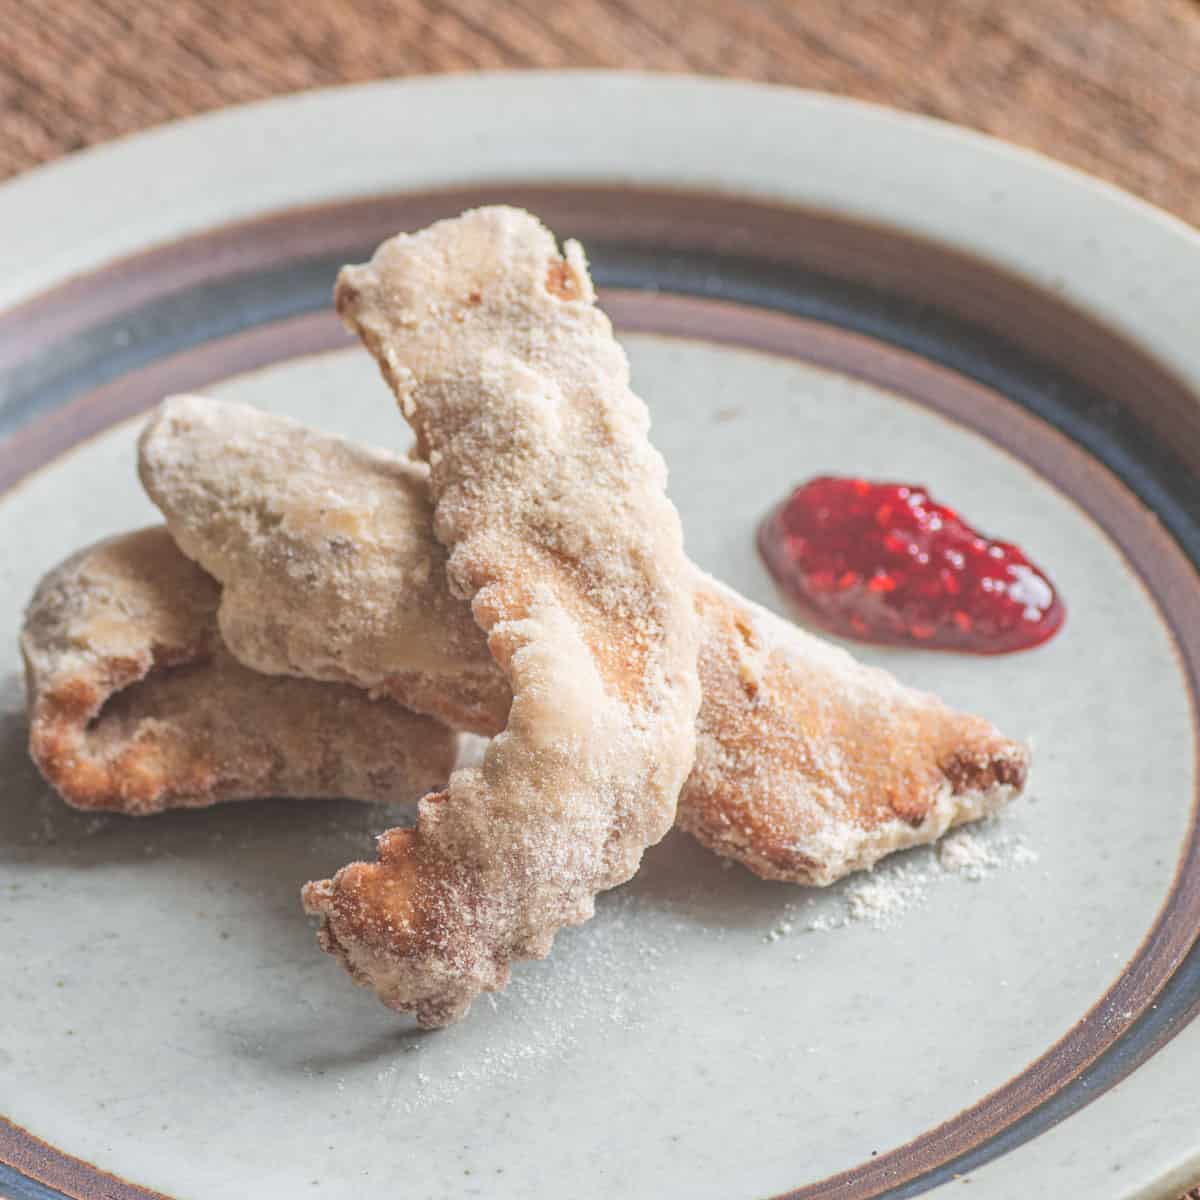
(1112, 86)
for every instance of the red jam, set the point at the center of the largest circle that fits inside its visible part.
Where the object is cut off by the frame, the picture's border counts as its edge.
(882, 562)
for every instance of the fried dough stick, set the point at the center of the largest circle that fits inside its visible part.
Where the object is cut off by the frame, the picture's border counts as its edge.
(808, 764)
(136, 706)
(552, 506)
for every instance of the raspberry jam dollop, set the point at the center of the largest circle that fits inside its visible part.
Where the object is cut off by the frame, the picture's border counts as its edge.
(883, 562)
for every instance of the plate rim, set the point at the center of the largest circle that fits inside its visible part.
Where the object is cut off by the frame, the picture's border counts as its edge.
(563, 123)
(206, 135)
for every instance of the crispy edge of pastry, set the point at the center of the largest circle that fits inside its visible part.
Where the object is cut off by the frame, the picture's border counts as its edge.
(552, 505)
(325, 555)
(136, 706)
(809, 765)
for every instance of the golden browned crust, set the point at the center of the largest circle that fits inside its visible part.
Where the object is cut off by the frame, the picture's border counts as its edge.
(808, 765)
(552, 506)
(326, 557)
(136, 706)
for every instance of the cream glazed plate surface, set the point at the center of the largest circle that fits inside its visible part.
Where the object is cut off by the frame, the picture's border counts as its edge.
(804, 285)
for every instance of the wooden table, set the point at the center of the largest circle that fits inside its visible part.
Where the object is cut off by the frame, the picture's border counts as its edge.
(1112, 86)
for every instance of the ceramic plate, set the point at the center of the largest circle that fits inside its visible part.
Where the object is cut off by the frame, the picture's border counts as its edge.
(804, 285)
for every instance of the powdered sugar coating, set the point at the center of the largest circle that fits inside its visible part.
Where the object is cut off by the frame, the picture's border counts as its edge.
(808, 764)
(552, 504)
(325, 554)
(136, 706)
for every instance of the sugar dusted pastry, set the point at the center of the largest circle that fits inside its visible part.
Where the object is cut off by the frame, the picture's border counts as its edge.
(808, 764)
(552, 506)
(326, 557)
(136, 706)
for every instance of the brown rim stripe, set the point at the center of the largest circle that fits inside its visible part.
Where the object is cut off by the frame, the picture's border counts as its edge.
(1153, 555)
(45, 439)
(71, 1176)
(661, 219)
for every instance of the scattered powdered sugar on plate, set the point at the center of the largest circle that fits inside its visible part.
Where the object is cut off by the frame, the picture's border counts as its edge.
(612, 974)
(881, 896)
(602, 975)
(965, 852)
